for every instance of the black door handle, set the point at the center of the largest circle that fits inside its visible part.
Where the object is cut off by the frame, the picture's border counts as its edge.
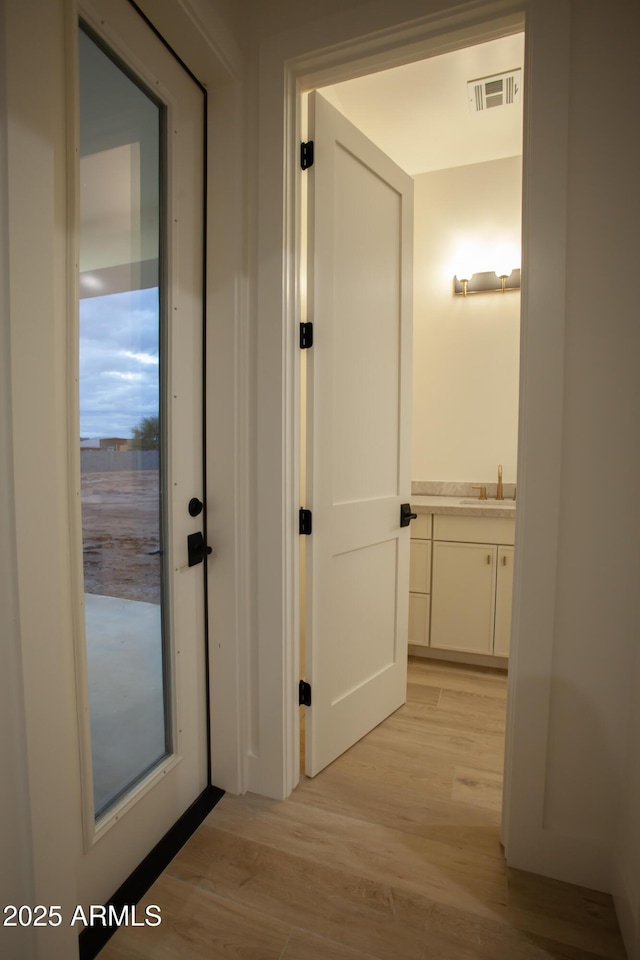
(197, 549)
(405, 515)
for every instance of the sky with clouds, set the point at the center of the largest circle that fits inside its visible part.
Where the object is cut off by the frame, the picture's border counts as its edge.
(119, 362)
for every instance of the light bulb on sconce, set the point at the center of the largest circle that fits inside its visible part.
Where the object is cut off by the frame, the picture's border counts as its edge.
(468, 281)
(463, 275)
(503, 273)
(506, 257)
(464, 280)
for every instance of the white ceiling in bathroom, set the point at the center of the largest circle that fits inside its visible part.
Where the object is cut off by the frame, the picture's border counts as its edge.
(419, 114)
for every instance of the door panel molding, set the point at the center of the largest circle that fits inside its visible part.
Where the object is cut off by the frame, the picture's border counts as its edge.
(359, 295)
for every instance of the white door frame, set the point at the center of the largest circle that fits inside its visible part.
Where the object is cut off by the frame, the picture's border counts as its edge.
(201, 39)
(203, 42)
(329, 53)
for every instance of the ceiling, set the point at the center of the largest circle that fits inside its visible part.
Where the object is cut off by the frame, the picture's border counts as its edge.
(419, 114)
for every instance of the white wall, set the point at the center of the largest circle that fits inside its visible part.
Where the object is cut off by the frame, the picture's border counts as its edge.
(594, 748)
(567, 785)
(599, 538)
(16, 875)
(44, 706)
(268, 19)
(465, 350)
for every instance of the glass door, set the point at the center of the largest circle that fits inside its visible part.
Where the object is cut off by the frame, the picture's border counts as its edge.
(141, 651)
(122, 422)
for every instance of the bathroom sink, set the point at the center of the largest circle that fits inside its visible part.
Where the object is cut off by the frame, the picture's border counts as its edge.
(488, 503)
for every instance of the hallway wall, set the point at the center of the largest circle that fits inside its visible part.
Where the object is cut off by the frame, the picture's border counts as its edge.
(16, 877)
(599, 545)
(573, 680)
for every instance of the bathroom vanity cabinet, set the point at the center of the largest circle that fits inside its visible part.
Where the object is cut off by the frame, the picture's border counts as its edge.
(461, 600)
(420, 580)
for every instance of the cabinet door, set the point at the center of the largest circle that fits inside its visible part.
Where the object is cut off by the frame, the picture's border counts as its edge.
(421, 526)
(463, 596)
(420, 567)
(504, 589)
(419, 619)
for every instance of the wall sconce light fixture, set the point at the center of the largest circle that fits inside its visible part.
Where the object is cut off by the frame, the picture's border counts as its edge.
(490, 281)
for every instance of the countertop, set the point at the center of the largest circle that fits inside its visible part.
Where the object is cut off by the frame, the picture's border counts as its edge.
(454, 506)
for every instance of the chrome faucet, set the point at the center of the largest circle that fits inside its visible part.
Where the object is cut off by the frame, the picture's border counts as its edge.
(499, 492)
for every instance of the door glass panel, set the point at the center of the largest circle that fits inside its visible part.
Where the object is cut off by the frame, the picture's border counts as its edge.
(121, 422)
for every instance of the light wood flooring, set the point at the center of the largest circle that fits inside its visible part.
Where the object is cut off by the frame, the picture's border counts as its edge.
(391, 853)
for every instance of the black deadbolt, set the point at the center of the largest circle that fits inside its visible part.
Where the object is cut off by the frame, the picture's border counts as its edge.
(195, 507)
(197, 549)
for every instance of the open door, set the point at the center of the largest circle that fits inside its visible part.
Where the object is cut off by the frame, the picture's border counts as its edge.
(359, 275)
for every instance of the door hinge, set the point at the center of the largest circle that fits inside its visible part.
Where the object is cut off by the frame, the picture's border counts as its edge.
(304, 694)
(306, 154)
(305, 522)
(306, 336)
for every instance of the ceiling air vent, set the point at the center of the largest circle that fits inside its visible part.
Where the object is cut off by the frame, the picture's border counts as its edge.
(500, 90)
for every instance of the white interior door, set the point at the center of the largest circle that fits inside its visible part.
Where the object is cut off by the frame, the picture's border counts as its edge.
(359, 274)
(141, 619)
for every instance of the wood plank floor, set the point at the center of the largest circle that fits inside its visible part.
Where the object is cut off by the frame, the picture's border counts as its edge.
(391, 853)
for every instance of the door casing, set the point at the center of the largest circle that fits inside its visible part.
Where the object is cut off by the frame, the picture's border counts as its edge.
(400, 45)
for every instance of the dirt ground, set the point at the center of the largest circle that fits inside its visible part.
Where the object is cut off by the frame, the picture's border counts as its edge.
(121, 524)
